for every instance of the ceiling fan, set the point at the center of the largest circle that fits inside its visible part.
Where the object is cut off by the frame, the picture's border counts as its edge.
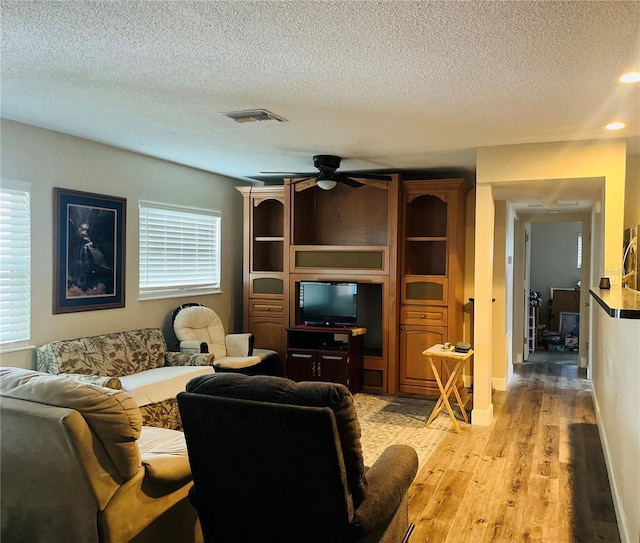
(328, 178)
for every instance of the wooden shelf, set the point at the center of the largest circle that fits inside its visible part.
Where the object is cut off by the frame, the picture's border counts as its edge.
(269, 238)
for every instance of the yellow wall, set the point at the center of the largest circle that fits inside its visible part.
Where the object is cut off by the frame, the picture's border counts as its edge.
(632, 192)
(571, 160)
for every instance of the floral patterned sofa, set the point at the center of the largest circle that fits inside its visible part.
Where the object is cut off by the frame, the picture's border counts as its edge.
(136, 361)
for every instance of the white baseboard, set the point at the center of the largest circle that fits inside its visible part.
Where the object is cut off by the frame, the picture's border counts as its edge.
(617, 501)
(482, 417)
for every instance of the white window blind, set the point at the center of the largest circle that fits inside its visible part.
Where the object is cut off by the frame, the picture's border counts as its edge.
(15, 264)
(579, 251)
(179, 251)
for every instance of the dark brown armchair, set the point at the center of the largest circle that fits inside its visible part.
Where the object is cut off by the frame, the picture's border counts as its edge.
(278, 461)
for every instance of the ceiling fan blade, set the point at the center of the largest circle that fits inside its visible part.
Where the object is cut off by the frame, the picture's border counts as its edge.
(293, 174)
(365, 175)
(348, 181)
(303, 179)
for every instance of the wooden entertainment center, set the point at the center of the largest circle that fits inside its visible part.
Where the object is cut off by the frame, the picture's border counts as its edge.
(402, 241)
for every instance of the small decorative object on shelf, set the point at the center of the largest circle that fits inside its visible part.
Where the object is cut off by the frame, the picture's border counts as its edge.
(535, 297)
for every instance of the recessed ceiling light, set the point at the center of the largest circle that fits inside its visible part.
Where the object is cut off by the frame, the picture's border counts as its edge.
(616, 125)
(629, 77)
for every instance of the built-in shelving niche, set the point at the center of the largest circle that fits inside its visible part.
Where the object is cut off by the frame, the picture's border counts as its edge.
(341, 216)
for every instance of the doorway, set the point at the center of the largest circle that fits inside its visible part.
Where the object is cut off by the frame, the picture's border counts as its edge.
(556, 267)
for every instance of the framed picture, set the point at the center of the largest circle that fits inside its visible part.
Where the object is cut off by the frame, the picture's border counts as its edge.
(89, 248)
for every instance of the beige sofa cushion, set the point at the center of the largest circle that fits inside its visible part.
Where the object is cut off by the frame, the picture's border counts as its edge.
(164, 455)
(108, 355)
(112, 415)
(159, 384)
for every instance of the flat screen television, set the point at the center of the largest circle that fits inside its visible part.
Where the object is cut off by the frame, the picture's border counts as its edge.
(328, 303)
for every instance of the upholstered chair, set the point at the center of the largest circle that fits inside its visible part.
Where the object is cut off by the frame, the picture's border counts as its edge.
(78, 466)
(276, 461)
(199, 329)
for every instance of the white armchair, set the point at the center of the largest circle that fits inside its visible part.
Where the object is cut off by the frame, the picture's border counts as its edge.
(200, 330)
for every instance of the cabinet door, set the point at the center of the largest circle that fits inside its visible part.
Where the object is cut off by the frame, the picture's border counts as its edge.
(415, 370)
(269, 333)
(301, 364)
(424, 290)
(332, 367)
(266, 286)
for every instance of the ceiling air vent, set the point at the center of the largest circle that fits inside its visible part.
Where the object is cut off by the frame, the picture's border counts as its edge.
(253, 115)
(553, 203)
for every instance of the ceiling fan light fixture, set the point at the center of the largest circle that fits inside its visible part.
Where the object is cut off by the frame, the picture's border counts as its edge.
(326, 184)
(549, 204)
(326, 180)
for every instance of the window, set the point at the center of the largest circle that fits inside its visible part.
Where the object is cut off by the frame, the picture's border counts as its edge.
(579, 251)
(179, 251)
(15, 264)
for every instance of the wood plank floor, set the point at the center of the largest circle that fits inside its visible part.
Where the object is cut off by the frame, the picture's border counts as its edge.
(536, 475)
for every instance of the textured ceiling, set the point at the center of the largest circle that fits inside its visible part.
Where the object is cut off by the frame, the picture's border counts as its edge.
(387, 85)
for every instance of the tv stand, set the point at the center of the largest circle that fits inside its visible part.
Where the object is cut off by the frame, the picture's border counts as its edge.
(326, 353)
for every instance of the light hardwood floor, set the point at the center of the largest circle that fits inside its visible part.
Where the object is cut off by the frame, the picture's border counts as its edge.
(537, 475)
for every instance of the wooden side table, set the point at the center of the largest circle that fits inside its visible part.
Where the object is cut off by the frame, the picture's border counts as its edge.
(459, 360)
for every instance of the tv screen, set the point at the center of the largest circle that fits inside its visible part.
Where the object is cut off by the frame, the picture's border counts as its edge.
(328, 303)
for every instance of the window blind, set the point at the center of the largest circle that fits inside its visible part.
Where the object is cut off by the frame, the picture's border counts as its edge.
(579, 251)
(15, 264)
(179, 251)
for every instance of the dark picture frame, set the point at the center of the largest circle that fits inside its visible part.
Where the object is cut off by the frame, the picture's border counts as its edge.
(89, 251)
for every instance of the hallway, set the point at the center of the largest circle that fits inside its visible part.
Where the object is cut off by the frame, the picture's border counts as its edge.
(536, 475)
(553, 357)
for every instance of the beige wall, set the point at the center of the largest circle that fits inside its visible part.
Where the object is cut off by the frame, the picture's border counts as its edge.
(616, 376)
(49, 159)
(501, 326)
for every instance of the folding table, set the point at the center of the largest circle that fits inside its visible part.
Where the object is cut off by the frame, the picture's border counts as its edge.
(458, 360)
